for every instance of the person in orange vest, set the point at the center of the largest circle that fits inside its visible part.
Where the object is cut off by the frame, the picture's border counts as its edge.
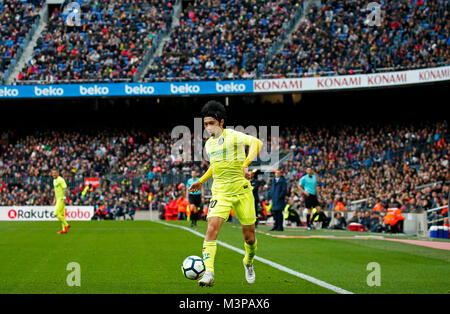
(339, 206)
(182, 206)
(444, 210)
(394, 220)
(378, 206)
(266, 206)
(172, 209)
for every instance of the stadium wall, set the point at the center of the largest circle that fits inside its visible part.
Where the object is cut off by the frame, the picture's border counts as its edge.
(194, 88)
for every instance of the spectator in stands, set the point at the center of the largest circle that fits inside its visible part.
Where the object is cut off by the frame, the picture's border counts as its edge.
(365, 220)
(16, 20)
(108, 46)
(291, 214)
(341, 223)
(218, 40)
(357, 215)
(317, 215)
(334, 39)
(129, 162)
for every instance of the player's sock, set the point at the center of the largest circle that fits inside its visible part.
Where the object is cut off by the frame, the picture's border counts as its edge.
(250, 252)
(62, 219)
(209, 253)
(64, 222)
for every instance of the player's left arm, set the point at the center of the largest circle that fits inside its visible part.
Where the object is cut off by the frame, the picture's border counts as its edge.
(255, 146)
(197, 185)
(203, 194)
(64, 185)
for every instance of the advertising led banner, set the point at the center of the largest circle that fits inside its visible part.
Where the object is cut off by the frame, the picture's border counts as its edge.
(384, 79)
(353, 81)
(127, 89)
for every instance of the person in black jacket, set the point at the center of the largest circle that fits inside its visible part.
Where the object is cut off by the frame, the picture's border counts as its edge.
(341, 223)
(278, 190)
(255, 182)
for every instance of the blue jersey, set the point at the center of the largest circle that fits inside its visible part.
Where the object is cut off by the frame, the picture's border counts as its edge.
(309, 183)
(189, 183)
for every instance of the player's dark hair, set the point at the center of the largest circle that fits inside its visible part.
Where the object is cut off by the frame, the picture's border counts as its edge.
(214, 109)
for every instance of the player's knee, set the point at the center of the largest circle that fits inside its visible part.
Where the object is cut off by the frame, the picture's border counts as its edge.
(249, 238)
(250, 241)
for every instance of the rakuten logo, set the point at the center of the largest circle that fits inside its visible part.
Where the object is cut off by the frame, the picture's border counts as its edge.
(48, 91)
(9, 92)
(34, 214)
(230, 88)
(139, 90)
(12, 214)
(95, 90)
(184, 89)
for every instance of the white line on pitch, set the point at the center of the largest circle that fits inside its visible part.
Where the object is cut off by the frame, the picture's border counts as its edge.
(270, 263)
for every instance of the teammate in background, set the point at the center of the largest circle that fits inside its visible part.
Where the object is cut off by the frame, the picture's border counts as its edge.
(60, 186)
(231, 187)
(308, 186)
(195, 199)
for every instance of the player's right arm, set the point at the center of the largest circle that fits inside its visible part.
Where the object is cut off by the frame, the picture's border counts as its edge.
(198, 184)
(300, 187)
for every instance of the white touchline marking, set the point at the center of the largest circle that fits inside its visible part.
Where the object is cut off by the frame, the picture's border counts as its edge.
(270, 263)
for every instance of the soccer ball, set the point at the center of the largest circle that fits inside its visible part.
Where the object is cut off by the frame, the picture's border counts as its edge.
(193, 267)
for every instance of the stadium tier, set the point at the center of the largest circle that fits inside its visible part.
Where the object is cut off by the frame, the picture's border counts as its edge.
(109, 44)
(122, 41)
(16, 20)
(225, 40)
(335, 39)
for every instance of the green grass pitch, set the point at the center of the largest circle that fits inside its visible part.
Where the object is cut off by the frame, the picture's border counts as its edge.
(145, 257)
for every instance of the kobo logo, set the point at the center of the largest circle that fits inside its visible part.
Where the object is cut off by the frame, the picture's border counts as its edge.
(12, 214)
(184, 89)
(230, 88)
(78, 214)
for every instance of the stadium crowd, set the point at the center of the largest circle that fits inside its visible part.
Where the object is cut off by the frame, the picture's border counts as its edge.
(381, 165)
(335, 39)
(365, 162)
(217, 40)
(108, 46)
(16, 19)
(222, 39)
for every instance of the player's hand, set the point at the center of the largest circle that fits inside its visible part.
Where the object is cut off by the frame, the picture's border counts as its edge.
(247, 174)
(195, 186)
